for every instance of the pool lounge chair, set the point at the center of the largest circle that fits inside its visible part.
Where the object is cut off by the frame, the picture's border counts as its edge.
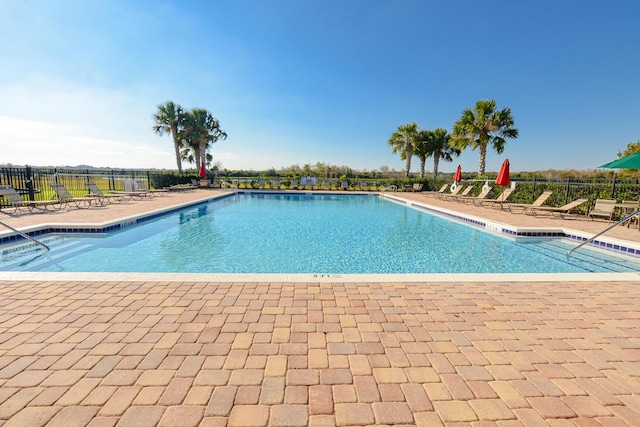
(182, 187)
(603, 208)
(475, 199)
(95, 191)
(520, 207)
(463, 193)
(79, 202)
(449, 196)
(497, 202)
(16, 201)
(160, 191)
(562, 211)
(434, 193)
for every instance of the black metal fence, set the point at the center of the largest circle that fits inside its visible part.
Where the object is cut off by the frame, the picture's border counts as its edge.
(33, 183)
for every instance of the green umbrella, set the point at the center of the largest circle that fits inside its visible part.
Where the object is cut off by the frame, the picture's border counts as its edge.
(629, 162)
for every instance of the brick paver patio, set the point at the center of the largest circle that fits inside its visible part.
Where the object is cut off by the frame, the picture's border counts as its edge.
(175, 353)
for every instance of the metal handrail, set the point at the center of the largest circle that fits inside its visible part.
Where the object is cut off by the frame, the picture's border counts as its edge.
(626, 218)
(26, 236)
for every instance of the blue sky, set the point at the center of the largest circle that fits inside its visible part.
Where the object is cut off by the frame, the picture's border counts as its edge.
(296, 82)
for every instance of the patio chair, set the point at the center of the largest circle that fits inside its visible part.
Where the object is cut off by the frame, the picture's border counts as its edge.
(452, 196)
(142, 187)
(562, 211)
(294, 184)
(627, 207)
(417, 187)
(520, 207)
(16, 201)
(475, 199)
(95, 191)
(434, 193)
(344, 185)
(603, 208)
(261, 184)
(275, 184)
(79, 202)
(497, 202)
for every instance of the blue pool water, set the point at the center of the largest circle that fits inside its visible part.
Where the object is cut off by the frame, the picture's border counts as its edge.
(303, 233)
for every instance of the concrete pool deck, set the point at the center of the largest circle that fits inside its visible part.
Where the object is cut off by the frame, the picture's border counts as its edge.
(182, 350)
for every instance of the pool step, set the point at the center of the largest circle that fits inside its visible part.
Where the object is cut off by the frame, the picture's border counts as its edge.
(31, 257)
(556, 248)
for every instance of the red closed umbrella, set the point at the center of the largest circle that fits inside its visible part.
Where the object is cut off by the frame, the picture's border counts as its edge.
(503, 177)
(203, 172)
(457, 177)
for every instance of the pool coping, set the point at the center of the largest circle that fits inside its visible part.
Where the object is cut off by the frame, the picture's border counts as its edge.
(506, 230)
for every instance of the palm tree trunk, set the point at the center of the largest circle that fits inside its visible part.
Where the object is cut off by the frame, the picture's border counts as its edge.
(436, 162)
(409, 155)
(422, 162)
(203, 154)
(483, 159)
(176, 145)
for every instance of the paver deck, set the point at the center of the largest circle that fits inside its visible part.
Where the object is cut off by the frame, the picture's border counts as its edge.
(215, 353)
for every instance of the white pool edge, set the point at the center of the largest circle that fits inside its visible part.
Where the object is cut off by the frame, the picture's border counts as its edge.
(318, 278)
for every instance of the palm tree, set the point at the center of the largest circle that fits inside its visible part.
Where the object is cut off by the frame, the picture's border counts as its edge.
(201, 129)
(483, 126)
(441, 149)
(421, 148)
(433, 143)
(402, 141)
(168, 119)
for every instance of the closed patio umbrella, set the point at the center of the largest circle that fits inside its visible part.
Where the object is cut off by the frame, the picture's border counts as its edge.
(203, 172)
(457, 177)
(629, 162)
(503, 176)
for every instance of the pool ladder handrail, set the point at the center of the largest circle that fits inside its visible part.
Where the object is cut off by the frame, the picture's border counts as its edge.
(26, 236)
(626, 218)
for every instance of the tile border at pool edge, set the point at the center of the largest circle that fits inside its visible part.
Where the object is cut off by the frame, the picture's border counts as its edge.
(609, 243)
(8, 276)
(52, 227)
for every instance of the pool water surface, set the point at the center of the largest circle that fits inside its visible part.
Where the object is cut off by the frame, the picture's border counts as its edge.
(305, 233)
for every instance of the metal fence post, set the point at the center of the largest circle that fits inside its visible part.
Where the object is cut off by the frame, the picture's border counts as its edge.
(533, 190)
(613, 188)
(29, 183)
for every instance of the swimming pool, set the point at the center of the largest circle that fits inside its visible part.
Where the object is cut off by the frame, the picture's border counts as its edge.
(305, 233)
